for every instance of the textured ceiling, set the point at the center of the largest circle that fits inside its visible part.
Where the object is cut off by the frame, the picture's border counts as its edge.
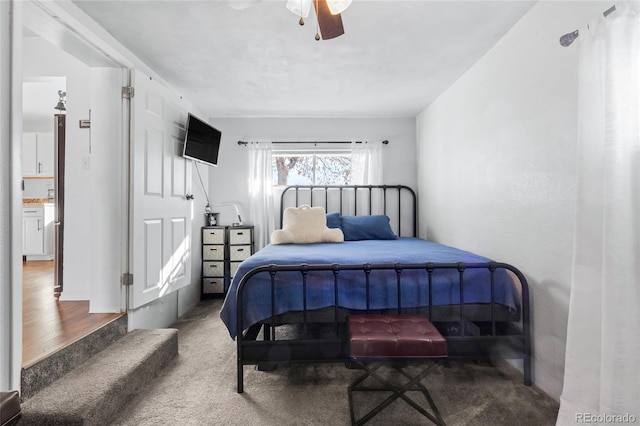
(394, 59)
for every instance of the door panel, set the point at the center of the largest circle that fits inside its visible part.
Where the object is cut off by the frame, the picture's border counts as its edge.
(154, 162)
(153, 254)
(161, 214)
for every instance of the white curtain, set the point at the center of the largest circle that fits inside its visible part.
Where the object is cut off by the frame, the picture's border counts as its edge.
(261, 192)
(602, 367)
(366, 163)
(366, 169)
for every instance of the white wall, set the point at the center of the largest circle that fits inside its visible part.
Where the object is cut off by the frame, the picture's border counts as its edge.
(37, 188)
(189, 296)
(228, 181)
(106, 199)
(498, 162)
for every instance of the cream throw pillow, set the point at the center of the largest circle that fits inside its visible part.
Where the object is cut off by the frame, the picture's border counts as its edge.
(305, 225)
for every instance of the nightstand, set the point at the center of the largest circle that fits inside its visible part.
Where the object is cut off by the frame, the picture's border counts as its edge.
(223, 249)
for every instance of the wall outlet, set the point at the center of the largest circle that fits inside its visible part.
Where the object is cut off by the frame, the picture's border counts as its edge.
(86, 163)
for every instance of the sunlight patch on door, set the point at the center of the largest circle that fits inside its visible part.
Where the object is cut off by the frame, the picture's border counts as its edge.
(153, 249)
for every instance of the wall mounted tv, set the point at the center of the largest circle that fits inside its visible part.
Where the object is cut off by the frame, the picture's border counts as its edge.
(201, 142)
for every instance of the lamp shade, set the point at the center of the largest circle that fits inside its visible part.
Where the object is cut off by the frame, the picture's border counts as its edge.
(338, 6)
(299, 7)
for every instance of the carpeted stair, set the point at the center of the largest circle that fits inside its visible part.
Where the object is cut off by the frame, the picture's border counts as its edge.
(42, 373)
(96, 391)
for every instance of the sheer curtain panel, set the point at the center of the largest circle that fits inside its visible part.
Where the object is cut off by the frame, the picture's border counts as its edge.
(366, 169)
(261, 192)
(602, 364)
(366, 163)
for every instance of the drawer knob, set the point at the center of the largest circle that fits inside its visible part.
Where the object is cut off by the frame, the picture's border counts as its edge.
(240, 249)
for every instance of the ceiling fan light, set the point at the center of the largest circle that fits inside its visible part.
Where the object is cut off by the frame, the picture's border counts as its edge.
(299, 7)
(338, 6)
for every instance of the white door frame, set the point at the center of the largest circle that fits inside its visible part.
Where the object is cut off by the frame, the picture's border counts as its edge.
(11, 59)
(11, 179)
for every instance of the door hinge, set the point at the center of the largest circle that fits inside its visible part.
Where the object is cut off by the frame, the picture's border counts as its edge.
(128, 92)
(127, 279)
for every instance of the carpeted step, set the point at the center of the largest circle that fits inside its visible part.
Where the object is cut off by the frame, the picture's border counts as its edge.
(46, 371)
(97, 390)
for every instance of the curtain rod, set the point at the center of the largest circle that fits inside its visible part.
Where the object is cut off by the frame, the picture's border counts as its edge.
(569, 38)
(384, 142)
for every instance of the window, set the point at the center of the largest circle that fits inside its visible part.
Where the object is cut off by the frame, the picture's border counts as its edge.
(312, 167)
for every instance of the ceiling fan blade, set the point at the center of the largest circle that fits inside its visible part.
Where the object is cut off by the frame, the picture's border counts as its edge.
(330, 25)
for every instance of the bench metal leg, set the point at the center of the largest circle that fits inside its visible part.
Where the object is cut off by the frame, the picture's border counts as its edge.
(398, 392)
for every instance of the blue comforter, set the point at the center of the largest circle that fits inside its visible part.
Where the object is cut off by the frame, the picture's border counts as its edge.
(320, 292)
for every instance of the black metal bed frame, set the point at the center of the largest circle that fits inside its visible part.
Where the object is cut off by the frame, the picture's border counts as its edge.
(309, 194)
(502, 339)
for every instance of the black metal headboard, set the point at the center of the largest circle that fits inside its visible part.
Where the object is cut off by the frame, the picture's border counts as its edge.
(396, 201)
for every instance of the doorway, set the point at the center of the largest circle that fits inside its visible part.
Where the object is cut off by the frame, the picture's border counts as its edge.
(92, 296)
(39, 207)
(48, 324)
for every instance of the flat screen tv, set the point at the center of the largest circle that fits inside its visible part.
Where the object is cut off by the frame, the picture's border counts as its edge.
(201, 142)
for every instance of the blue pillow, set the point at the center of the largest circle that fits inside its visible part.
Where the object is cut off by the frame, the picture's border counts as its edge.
(373, 227)
(333, 220)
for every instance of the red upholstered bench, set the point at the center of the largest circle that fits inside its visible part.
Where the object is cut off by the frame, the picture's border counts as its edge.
(376, 340)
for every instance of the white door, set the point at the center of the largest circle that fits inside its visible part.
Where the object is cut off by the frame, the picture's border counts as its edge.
(160, 180)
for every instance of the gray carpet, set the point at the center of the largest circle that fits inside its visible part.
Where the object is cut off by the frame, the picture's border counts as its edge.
(48, 370)
(199, 388)
(94, 392)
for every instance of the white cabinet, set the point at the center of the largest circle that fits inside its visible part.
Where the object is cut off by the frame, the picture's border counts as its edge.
(37, 232)
(33, 231)
(37, 154)
(29, 154)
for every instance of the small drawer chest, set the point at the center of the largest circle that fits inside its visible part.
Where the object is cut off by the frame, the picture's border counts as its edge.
(223, 249)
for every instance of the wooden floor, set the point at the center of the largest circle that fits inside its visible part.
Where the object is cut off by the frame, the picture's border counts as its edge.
(49, 325)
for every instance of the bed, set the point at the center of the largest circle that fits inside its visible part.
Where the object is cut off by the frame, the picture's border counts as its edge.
(288, 303)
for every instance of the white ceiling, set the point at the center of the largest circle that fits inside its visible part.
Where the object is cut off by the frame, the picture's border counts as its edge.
(394, 59)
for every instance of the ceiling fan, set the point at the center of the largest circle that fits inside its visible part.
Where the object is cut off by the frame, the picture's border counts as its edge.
(328, 13)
